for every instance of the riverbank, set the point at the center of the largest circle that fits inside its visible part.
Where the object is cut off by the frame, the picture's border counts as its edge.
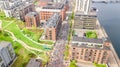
(114, 60)
(109, 17)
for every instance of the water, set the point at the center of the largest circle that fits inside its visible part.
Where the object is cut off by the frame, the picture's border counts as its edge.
(109, 17)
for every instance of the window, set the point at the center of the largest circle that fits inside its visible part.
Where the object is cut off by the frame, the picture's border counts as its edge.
(74, 48)
(77, 57)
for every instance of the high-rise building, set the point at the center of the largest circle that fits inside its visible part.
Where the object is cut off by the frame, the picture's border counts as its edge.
(83, 6)
(7, 54)
(32, 19)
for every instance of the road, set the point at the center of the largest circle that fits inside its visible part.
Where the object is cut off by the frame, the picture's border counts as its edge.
(57, 55)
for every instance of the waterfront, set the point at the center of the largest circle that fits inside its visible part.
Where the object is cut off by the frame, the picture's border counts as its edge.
(109, 17)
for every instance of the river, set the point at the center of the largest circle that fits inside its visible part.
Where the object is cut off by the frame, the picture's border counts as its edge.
(109, 17)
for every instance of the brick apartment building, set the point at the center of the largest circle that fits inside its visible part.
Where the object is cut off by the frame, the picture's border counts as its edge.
(47, 11)
(32, 19)
(90, 50)
(52, 27)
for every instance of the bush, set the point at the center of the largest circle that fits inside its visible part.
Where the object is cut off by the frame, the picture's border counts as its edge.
(5, 34)
(73, 63)
(31, 55)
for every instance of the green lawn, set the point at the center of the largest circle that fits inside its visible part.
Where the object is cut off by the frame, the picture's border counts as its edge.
(91, 34)
(17, 32)
(46, 42)
(34, 34)
(99, 65)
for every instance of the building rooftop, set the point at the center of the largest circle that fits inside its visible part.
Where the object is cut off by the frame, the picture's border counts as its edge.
(54, 6)
(45, 0)
(52, 22)
(4, 44)
(99, 47)
(83, 39)
(32, 14)
(20, 5)
(34, 63)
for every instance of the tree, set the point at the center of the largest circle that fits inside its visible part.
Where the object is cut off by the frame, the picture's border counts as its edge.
(73, 63)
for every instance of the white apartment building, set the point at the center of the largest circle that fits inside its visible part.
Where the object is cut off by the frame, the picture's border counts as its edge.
(82, 6)
(7, 54)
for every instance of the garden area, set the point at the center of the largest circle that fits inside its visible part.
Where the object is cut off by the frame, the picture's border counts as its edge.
(23, 55)
(34, 34)
(10, 24)
(90, 34)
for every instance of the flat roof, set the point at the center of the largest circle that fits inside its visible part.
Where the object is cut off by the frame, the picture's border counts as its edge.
(91, 47)
(32, 14)
(52, 22)
(4, 44)
(34, 63)
(45, 0)
(54, 6)
(84, 39)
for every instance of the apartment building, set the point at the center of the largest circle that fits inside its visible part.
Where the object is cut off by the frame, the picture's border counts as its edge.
(35, 63)
(83, 6)
(47, 11)
(83, 21)
(32, 19)
(90, 50)
(8, 3)
(52, 27)
(7, 54)
(19, 10)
